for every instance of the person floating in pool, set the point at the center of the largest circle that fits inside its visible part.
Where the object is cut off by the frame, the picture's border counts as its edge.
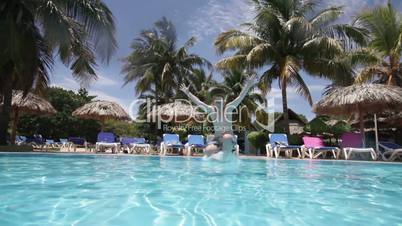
(221, 114)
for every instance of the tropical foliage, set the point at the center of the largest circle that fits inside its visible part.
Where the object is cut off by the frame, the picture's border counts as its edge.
(62, 124)
(231, 87)
(382, 56)
(288, 36)
(158, 66)
(258, 139)
(34, 31)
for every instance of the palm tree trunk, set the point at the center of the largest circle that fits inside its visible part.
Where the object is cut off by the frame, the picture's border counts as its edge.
(285, 107)
(6, 109)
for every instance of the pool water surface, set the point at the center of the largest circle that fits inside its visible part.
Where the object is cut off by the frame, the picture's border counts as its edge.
(64, 189)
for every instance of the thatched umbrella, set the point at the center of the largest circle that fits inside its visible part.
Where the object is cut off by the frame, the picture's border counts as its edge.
(360, 99)
(176, 111)
(28, 104)
(101, 111)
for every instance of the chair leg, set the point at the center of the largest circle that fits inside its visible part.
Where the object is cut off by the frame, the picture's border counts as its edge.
(276, 152)
(373, 155)
(346, 153)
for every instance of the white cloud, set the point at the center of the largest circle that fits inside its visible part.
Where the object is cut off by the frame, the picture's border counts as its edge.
(218, 16)
(105, 81)
(66, 83)
(352, 6)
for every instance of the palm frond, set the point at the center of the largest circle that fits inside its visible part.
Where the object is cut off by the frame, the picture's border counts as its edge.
(234, 62)
(234, 39)
(369, 73)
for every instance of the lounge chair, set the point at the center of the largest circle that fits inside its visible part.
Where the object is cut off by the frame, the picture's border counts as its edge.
(279, 142)
(170, 141)
(50, 144)
(393, 150)
(236, 146)
(132, 144)
(314, 147)
(63, 143)
(353, 143)
(106, 140)
(20, 140)
(37, 142)
(194, 142)
(77, 142)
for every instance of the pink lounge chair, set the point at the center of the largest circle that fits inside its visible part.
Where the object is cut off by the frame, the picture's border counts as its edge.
(314, 147)
(353, 143)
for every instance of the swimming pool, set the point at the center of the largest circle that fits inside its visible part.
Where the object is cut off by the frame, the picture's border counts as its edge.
(57, 189)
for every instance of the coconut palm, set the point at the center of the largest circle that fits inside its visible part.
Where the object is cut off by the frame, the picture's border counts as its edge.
(33, 31)
(287, 36)
(384, 24)
(158, 65)
(230, 88)
(200, 84)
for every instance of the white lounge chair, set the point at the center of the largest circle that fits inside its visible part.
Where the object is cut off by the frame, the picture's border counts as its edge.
(352, 143)
(279, 142)
(170, 141)
(394, 151)
(105, 141)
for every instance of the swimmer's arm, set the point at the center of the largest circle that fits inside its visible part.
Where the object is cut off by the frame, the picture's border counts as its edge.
(249, 84)
(192, 97)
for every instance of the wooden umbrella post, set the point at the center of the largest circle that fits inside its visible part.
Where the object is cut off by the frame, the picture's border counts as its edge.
(377, 148)
(14, 127)
(103, 125)
(361, 123)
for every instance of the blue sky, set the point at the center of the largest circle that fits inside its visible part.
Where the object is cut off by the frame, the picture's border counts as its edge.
(204, 19)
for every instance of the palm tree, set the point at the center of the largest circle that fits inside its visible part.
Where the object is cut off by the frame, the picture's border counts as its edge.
(157, 65)
(384, 49)
(33, 31)
(286, 37)
(200, 84)
(230, 88)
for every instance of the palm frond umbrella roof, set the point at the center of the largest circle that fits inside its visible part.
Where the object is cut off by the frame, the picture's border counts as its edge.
(28, 104)
(368, 98)
(101, 110)
(31, 104)
(176, 111)
(361, 100)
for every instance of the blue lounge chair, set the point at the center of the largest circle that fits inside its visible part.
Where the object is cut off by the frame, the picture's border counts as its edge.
(50, 144)
(392, 150)
(132, 144)
(170, 141)
(21, 140)
(194, 142)
(279, 142)
(106, 140)
(37, 141)
(63, 143)
(77, 142)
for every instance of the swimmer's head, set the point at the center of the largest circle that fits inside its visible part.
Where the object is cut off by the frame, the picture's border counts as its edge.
(227, 142)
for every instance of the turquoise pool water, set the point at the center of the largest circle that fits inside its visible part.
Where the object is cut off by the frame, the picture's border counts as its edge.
(44, 189)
